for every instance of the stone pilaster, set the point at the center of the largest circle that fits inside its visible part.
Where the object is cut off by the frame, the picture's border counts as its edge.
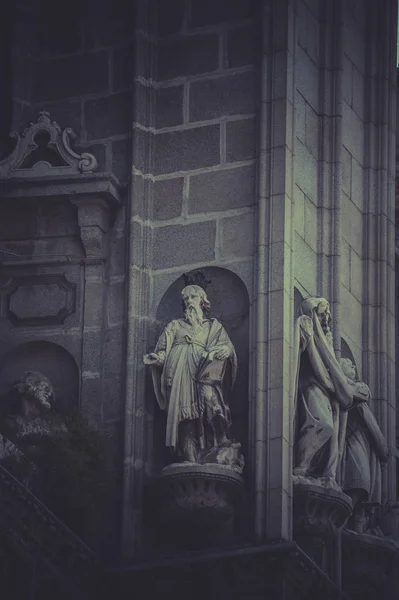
(272, 414)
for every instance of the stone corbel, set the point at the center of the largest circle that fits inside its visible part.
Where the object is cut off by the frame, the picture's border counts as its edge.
(94, 219)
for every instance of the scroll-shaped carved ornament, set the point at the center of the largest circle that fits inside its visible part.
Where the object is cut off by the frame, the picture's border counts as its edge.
(44, 149)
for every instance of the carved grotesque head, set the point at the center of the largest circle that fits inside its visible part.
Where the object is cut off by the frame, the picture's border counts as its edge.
(194, 298)
(31, 395)
(348, 368)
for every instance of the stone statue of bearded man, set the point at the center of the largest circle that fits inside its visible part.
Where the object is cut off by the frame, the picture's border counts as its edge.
(193, 362)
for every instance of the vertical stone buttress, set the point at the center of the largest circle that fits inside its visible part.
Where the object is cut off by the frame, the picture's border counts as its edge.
(272, 432)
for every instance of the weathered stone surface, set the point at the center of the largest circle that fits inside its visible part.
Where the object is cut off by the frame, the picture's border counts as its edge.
(170, 16)
(71, 76)
(113, 400)
(312, 131)
(169, 106)
(108, 116)
(93, 304)
(240, 140)
(356, 276)
(353, 133)
(237, 236)
(299, 211)
(207, 12)
(357, 188)
(143, 98)
(141, 145)
(168, 195)
(187, 149)
(305, 265)
(121, 159)
(184, 244)
(144, 59)
(106, 23)
(346, 172)
(222, 190)
(57, 29)
(242, 45)
(92, 343)
(116, 302)
(122, 67)
(306, 171)
(307, 79)
(352, 224)
(191, 55)
(308, 31)
(227, 95)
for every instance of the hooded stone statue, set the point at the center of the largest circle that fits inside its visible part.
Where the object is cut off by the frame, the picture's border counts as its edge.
(322, 393)
(192, 361)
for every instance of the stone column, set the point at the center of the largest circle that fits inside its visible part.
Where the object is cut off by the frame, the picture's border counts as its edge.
(379, 225)
(94, 222)
(138, 282)
(272, 430)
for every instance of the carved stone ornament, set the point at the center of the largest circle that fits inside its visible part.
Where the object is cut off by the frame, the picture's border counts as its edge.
(44, 149)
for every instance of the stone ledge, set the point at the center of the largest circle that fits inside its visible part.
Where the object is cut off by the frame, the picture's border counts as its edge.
(100, 185)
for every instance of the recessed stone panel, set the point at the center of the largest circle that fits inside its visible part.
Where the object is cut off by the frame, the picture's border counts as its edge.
(39, 300)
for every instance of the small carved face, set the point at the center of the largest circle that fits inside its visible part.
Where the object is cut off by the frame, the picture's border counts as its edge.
(324, 314)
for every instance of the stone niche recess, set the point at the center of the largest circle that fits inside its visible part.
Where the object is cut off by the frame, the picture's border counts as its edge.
(57, 215)
(205, 503)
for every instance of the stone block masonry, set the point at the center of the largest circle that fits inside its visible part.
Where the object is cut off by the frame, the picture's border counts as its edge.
(203, 139)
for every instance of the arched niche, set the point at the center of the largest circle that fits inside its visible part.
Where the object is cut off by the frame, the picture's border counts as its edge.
(50, 359)
(229, 300)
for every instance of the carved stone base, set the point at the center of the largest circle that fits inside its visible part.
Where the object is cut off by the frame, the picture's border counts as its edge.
(319, 514)
(197, 504)
(320, 511)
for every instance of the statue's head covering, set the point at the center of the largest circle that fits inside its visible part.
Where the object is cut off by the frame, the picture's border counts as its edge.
(308, 305)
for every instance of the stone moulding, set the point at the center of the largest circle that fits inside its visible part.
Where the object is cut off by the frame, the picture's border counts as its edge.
(196, 504)
(320, 511)
(45, 149)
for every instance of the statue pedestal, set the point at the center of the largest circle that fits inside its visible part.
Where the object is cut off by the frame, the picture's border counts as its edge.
(319, 514)
(197, 504)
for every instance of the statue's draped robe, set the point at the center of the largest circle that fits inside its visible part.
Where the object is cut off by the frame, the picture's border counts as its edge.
(365, 448)
(318, 367)
(177, 386)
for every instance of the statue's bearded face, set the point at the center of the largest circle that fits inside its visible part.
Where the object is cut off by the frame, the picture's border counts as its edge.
(192, 297)
(324, 315)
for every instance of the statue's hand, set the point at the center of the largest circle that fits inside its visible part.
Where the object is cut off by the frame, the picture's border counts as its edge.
(151, 359)
(222, 354)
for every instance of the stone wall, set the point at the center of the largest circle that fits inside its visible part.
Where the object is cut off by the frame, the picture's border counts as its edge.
(248, 143)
